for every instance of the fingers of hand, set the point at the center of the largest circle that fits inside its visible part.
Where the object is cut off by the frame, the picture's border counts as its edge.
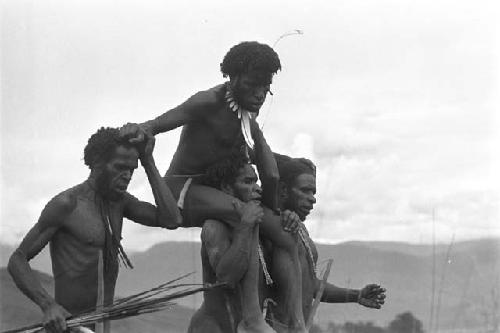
(285, 216)
(237, 205)
(259, 214)
(53, 326)
(61, 324)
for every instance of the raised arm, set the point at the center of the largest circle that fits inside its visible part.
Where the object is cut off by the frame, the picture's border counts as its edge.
(267, 167)
(50, 221)
(193, 109)
(229, 256)
(165, 214)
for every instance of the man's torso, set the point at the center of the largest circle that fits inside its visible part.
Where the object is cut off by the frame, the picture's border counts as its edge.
(208, 139)
(76, 249)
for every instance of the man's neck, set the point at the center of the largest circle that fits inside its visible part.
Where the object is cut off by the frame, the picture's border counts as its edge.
(92, 183)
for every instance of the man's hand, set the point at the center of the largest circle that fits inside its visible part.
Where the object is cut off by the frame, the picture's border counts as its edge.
(54, 318)
(290, 221)
(135, 133)
(250, 212)
(372, 296)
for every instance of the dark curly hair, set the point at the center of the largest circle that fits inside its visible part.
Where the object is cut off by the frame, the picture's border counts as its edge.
(225, 171)
(290, 168)
(101, 145)
(250, 55)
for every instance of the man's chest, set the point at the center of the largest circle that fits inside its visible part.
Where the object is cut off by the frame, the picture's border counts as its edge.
(224, 127)
(89, 222)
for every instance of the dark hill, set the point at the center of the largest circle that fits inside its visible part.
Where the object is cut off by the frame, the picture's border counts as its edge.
(16, 310)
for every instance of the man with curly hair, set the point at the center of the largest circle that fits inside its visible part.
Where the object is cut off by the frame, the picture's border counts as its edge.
(226, 254)
(83, 225)
(216, 122)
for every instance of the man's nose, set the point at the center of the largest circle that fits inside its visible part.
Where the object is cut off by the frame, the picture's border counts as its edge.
(260, 93)
(127, 175)
(258, 189)
(312, 199)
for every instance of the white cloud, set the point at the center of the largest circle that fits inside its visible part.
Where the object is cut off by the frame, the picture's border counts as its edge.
(394, 101)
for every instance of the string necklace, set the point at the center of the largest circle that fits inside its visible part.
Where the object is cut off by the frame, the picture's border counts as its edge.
(243, 115)
(305, 241)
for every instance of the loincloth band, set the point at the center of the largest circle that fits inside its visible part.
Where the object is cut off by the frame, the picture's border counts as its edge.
(182, 195)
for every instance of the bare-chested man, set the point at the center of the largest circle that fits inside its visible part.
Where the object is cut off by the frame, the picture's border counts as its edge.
(216, 122)
(226, 253)
(297, 193)
(83, 226)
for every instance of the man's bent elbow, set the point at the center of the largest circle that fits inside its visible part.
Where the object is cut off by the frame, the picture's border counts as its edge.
(231, 278)
(229, 281)
(15, 259)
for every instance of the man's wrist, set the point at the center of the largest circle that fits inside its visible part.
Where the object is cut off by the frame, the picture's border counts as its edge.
(147, 160)
(46, 304)
(149, 127)
(358, 298)
(244, 227)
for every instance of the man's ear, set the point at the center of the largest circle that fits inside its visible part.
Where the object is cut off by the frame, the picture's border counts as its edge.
(97, 167)
(233, 82)
(282, 191)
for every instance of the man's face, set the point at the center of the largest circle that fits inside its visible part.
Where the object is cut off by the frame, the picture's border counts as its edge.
(245, 186)
(117, 172)
(301, 195)
(251, 89)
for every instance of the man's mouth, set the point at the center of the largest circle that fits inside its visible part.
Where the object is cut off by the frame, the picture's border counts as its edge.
(256, 105)
(121, 187)
(257, 198)
(305, 210)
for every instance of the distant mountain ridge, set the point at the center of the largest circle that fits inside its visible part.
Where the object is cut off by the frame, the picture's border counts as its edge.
(469, 276)
(16, 310)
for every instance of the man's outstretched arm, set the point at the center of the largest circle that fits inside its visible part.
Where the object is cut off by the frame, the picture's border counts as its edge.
(268, 169)
(165, 214)
(35, 240)
(193, 109)
(371, 296)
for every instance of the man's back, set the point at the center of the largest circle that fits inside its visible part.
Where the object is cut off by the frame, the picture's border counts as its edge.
(210, 134)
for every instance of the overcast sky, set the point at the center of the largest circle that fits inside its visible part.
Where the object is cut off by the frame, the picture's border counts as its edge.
(396, 102)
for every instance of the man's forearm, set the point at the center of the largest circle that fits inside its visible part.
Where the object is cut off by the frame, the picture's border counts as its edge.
(234, 263)
(334, 294)
(268, 170)
(27, 282)
(167, 215)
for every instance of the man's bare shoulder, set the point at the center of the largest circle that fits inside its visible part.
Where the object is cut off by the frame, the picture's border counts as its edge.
(61, 205)
(209, 98)
(214, 230)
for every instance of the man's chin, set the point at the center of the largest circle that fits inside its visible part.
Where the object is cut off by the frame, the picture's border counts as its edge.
(303, 215)
(254, 109)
